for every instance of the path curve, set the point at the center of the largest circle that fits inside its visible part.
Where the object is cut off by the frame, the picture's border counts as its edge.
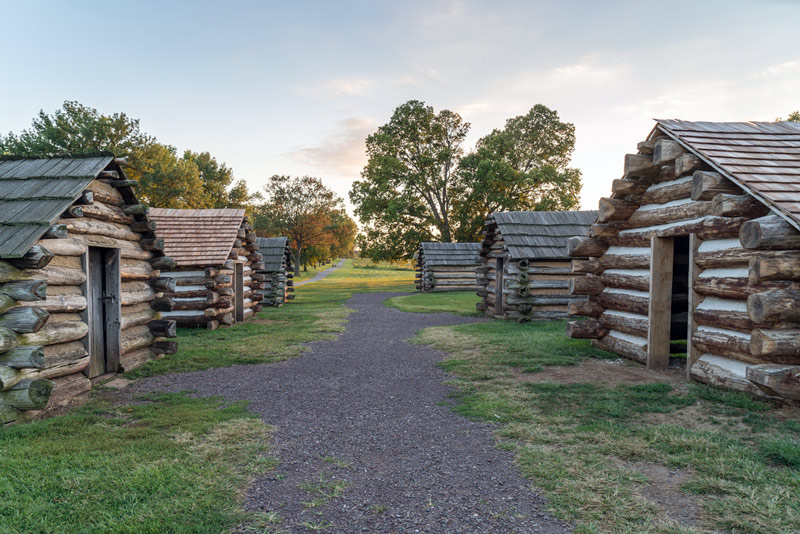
(320, 275)
(372, 400)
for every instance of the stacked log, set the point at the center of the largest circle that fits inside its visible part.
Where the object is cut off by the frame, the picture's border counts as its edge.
(743, 280)
(444, 267)
(275, 273)
(533, 283)
(206, 296)
(44, 355)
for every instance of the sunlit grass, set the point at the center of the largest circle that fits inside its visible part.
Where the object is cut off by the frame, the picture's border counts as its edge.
(457, 302)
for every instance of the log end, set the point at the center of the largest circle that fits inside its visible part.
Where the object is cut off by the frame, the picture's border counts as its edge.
(757, 307)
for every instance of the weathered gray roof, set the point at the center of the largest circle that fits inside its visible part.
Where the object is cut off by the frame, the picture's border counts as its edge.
(541, 234)
(35, 192)
(451, 254)
(761, 157)
(273, 250)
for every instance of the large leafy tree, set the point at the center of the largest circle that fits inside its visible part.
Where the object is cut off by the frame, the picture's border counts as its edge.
(419, 186)
(195, 180)
(407, 185)
(303, 210)
(524, 166)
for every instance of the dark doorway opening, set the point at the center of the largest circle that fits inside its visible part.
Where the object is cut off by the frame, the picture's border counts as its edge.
(679, 309)
(498, 287)
(238, 288)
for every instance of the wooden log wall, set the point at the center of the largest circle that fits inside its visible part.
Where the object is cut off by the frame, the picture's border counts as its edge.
(443, 278)
(277, 286)
(745, 265)
(532, 290)
(206, 297)
(43, 327)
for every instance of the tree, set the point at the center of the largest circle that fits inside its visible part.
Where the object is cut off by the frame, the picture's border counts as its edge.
(523, 167)
(302, 209)
(418, 186)
(408, 180)
(794, 116)
(196, 180)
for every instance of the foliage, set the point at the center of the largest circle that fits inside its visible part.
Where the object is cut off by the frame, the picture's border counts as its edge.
(195, 180)
(794, 116)
(309, 214)
(165, 463)
(419, 186)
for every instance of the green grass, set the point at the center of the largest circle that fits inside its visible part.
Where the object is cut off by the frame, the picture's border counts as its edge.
(317, 313)
(167, 463)
(588, 444)
(459, 303)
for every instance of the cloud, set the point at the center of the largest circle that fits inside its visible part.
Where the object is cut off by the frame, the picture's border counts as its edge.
(776, 70)
(453, 10)
(341, 153)
(330, 89)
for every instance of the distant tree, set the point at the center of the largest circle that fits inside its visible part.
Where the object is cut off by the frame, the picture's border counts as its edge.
(302, 209)
(418, 186)
(196, 180)
(794, 116)
(523, 167)
(406, 186)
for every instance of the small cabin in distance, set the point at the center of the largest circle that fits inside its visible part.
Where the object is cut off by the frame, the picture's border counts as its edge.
(216, 256)
(695, 256)
(446, 266)
(525, 268)
(80, 271)
(276, 274)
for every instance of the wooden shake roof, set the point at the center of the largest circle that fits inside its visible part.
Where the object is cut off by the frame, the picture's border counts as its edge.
(541, 234)
(197, 237)
(273, 251)
(35, 192)
(450, 254)
(761, 157)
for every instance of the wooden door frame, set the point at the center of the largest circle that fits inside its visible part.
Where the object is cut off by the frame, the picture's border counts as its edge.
(112, 313)
(659, 316)
(238, 292)
(499, 267)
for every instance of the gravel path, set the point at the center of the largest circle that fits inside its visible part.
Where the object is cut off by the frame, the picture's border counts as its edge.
(320, 275)
(359, 417)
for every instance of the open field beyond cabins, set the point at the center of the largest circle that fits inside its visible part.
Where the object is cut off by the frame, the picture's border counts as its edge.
(613, 447)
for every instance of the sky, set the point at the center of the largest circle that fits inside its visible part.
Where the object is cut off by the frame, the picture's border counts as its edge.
(295, 87)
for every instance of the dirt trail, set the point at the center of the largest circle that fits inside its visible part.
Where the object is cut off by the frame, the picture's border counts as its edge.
(363, 441)
(320, 275)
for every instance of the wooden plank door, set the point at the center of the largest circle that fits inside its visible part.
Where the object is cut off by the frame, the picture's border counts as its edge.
(498, 286)
(102, 315)
(238, 292)
(660, 308)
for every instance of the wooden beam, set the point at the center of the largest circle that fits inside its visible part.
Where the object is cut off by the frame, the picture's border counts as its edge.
(660, 308)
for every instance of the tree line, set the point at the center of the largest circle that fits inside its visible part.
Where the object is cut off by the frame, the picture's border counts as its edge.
(300, 208)
(419, 183)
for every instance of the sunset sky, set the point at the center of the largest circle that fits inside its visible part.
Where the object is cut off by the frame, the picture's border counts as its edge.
(295, 87)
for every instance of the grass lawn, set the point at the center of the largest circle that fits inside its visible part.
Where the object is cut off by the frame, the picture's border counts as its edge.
(277, 334)
(460, 303)
(169, 463)
(636, 456)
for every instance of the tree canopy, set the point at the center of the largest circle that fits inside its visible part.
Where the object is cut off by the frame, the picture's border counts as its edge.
(309, 214)
(418, 185)
(195, 180)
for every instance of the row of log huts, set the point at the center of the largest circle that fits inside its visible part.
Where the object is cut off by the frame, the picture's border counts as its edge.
(92, 283)
(693, 259)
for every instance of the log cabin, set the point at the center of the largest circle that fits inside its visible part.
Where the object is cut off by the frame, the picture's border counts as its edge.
(695, 256)
(446, 267)
(80, 273)
(525, 269)
(216, 256)
(277, 273)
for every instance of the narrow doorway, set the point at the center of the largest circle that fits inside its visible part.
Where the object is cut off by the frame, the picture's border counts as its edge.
(238, 292)
(669, 300)
(102, 313)
(498, 286)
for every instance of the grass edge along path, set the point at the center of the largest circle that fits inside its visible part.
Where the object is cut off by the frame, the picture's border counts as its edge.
(596, 449)
(317, 313)
(163, 463)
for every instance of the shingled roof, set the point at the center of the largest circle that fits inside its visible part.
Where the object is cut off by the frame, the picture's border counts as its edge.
(35, 192)
(541, 234)
(761, 157)
(272, 251)
(450, 254)
(197, 237)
